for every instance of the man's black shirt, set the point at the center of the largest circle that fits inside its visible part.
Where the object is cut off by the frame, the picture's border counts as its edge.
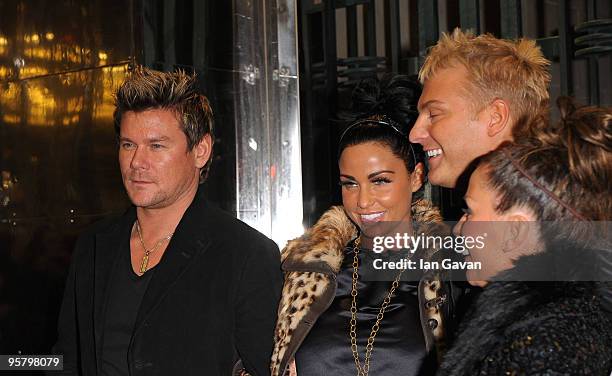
(126, 292)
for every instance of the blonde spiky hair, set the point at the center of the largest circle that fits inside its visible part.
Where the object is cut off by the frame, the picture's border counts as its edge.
(513, 70)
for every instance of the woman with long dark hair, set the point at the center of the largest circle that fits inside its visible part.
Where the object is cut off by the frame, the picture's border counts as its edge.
(337, 316)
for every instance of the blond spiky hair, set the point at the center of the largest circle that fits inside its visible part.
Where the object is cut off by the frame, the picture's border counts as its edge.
(514, 70)
(147, 89)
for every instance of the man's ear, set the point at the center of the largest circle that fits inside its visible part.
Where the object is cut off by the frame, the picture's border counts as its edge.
(499, 117)
(203, 150)
(416, 177)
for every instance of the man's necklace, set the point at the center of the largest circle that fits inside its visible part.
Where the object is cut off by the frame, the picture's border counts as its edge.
(144, 264)
(363, 370)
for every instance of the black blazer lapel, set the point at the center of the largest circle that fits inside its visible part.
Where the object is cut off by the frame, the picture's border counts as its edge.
(187, 242)
(108, 245)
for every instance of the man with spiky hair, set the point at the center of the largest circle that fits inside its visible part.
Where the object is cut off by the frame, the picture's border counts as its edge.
(478, 91)
(175, 285)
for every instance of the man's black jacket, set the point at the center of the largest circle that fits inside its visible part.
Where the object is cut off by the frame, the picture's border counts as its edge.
(211, 301)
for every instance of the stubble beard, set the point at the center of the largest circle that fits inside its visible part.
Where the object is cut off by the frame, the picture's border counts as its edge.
(147, 200)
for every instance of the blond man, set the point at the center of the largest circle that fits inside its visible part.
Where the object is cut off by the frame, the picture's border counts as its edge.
(478, 91)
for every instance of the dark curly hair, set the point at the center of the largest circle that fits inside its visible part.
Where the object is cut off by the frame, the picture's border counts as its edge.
(384, 111)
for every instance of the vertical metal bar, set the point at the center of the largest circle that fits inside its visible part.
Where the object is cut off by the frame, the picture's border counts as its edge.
(413, 24)
(251, 115)
(392, 14)
(331, 94)
(565, 49)
(351, 29)
(329, 48)
(591, 6)
(593, 67)
(284, 121)
(443, 15)
(469, 15)
(511, 21)
(428, 26)
(199, 47)
(540, 16)
(370, 27)
(150, 33)
(306, 80)
(452, 15)
(169, 34)
(307, 131)
(490, 17)
(136, 31)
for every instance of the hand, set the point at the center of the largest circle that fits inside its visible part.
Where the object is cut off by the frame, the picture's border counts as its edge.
(292, 368)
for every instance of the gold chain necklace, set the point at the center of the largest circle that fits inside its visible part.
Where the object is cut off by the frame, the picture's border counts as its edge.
(144, 264)
(365, 369)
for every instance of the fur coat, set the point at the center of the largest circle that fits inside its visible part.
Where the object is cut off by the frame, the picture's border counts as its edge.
(548, 327)
(310, 264)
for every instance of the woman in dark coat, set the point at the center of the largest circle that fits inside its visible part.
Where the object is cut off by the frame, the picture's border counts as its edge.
(539, 312)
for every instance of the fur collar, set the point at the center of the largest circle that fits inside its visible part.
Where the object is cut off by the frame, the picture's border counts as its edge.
(310, 263)
(512, 299)
(321, 247)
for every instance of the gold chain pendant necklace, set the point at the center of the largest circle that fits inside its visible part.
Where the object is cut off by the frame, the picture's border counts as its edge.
(144, 264)
(365, 369)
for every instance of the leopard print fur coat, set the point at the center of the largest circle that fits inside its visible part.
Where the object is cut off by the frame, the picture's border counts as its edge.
(310, 264)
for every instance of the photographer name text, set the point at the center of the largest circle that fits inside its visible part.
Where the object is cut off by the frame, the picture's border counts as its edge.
(446, 264)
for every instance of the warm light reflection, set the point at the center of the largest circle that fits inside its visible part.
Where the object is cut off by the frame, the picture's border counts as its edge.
(113, 77)
(39, 102)
(38, 53)
(4, 72)
(9, 103)
(32, 71)
(61, 53)
(43, 106)
(11, 119)
(74, 105)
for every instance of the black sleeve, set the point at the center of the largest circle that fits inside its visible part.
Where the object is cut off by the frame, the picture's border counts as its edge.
(258, 296)
(68, 343)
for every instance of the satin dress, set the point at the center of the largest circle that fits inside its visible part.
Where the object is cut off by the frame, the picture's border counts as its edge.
(399, 346)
